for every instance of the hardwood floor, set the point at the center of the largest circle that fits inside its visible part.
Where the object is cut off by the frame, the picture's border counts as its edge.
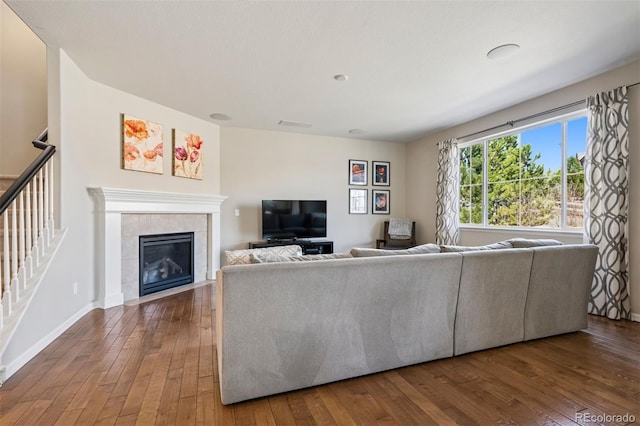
(155, 364)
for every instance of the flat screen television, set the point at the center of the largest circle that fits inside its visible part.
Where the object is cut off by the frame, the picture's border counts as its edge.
(293, 219)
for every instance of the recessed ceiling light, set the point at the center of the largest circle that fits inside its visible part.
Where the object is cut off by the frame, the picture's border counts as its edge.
(357, 131)
(503, 51)
(341, 77)
(293, 124)
(219, 116)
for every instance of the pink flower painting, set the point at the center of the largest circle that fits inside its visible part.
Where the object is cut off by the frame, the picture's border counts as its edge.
(187, 155)
(142, 146)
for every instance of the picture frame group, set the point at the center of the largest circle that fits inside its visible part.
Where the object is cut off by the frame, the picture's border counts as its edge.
(359, 197)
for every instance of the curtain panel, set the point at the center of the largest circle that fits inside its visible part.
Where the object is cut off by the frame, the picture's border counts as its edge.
(448, 193)
(606, 202)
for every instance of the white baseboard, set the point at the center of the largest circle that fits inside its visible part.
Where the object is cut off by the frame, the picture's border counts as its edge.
(635, 317)
(19, 362)
(111, 300)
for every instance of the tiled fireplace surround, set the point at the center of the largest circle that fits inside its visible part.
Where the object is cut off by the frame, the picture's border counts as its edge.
(135, 225)
(122, 215)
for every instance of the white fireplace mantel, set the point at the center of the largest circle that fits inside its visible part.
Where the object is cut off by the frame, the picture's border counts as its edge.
(113, 202)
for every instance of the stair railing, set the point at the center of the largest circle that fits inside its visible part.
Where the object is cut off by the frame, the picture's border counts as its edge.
(27, 221)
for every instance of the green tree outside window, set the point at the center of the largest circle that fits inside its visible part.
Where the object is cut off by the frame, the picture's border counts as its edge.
(520, 191)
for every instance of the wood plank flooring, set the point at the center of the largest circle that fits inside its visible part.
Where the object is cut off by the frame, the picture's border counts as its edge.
(155, 364)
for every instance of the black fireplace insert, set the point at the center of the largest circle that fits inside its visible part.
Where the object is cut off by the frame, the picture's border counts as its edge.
(166, 261)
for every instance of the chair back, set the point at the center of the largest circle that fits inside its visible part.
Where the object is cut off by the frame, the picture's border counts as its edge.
(391, 243)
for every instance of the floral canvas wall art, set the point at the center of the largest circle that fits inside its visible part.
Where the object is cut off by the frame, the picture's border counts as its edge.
(141, 145)
(187, 155)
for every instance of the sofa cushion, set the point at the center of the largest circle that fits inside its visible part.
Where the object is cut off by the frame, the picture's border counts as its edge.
(495, 246)
(369, 252)
(274, 257)
(242, 257)
(526, 243)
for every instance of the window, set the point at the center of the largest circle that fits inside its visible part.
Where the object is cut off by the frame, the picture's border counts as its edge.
(533, 178)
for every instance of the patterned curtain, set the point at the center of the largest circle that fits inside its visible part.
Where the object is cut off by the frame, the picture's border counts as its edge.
(607, 202)
(448, 192)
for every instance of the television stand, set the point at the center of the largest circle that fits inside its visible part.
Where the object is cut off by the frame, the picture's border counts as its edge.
(282, 240)
(308, 246)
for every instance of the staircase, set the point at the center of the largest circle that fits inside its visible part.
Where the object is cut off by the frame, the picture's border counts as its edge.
(26, 232)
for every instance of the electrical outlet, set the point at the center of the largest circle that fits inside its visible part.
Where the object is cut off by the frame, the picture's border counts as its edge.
(75, 288)
(237, 212)
(3, 372)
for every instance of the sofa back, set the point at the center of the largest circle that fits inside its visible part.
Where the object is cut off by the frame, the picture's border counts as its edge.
(284, 326)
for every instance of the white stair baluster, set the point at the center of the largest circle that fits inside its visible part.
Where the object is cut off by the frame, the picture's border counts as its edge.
(47, 236)
(35, 251)
(22, 271)
(7, 299)
(28, 240)
(41, 245)
(51, 218)
(15, 282)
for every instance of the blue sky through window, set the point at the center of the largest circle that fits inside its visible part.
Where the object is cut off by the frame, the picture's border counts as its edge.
(547, 141)
(577, 136)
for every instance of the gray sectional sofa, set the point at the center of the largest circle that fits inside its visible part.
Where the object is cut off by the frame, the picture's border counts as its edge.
(289, 325)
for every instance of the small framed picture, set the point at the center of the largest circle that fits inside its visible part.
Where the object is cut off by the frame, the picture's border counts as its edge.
(358, 172)
(381, 201)
(380, 173)
(357, 201)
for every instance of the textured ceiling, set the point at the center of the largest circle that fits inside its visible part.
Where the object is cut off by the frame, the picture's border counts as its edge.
(414, 67)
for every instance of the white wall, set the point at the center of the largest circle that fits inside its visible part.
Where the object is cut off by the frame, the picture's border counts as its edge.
(23, 92)
(84, 119)
(259, 165)
(422, 165)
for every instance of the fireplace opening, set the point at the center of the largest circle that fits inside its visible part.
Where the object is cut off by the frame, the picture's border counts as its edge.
(166, 261)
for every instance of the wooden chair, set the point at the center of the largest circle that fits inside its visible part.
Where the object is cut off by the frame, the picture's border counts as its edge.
(389, 243)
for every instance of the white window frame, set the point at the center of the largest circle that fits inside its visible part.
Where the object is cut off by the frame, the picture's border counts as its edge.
(484, 140)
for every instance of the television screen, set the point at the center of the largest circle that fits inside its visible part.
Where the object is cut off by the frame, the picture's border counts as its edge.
(292, 219)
